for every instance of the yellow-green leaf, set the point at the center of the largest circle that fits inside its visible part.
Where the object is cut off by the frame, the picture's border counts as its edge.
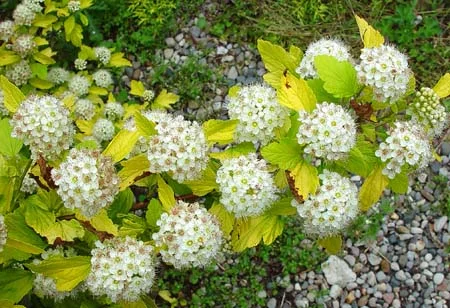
(98, 91)
(9, 146)
(234, 151)
(286, 153)
(8, 57)
(332, 244)
(144, 125)
(40, 219)
(370, 37)
(295, 93)
(372, 188)
(305, 178)
(69, 25)
(67, 272)
(137, 88)
(84, 19)
(273, 79)
(67, 230)
(132, 168)
(40, 41)
(165, 99)
(233, 91)
(220, 131)
(12, 96)
(165, 194)
(154, 211)
(121, 145)
(76, 35)
(86, 53)
(84, 4)
(40, 84)
(101, 222)
(14, 285)
(225, 218)
(85, 126)
(206, 183)
(275, 58)
(442, 88)
(118, 60)
(43, 21)
(282, 207)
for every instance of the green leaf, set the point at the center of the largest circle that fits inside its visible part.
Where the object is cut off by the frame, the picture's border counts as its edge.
(220, 131)
(8, 57)
(66, 230)
(372, 188)
(225, 218)
(206, 183)
(15, 284)
(38, 218)
(132, 225)
(282, 207)
(154, 211)
(132, 168)
(306, 179)
(339, 77)
(9, 146)
(275, 58)
(121, 145)
(40, 84)
(118, 60)
(101, 222)
(295, 93)
(144, 125)
(286, 153)
(98, 91)
(234, 151)
(39, 70)
(67, 272)
(122, 204)
(165, 194)
(43, 21)
(361, 159)
(165, 100)
(12, 96)
(322, 95)
(137, 88)
(332, 244)
(400, 183)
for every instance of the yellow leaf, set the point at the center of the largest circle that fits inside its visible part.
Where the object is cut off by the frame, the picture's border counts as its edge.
(437, 157)
(220, 131)
(98, 91)
(332, 244)
(275, 58)
(137, 88)
(273, 79)
(165, 194)
(370, 37)
(442, 88)
(295, 93)
(12, 96)
(305, 178)
(41, 58)
(86, 53)
(40, 41)
(85, 126)
(67, 230)
(233, 91)
(69, 25)
(84, 4)
(111, 98)
(40, 84)
(165, 99)
(121, 145)
(69, 101)
(48, 52)
(372, 188)
(206, 183)
(144, 125)
(8, 57)
(132, 168)
(118, 60)
(101, 222)
(225, 218)
(43, 21)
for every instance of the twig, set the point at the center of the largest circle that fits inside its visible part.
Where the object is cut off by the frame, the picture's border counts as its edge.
(38, 181)
(46, 172)
(139, 205)
(102, 235)
(442, 138)
(143, 175)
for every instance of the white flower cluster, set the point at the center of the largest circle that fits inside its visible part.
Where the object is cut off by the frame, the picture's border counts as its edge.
(79, 85)
(332, 208)
(247, 187)
(103, 54)
(58, 75)
(24, 45)
(323, 47)
(3, 232)
(3, 110)
(6, 30)
(29, 185)
(86, 181)
(113, 111)
(84, 109)
(121, 269)
(45, 287)
(429, 112)
(34, 5)
(44, 124)
(19, 73)
(74, 5)
(259, 113)
(148, 95)
(23, 15)
(188, 236)
(103, 130)
(102, 78)
(179, 148)
(385, 69)
(407, 144)
(142, 143)
(80, 64)
(329, 131)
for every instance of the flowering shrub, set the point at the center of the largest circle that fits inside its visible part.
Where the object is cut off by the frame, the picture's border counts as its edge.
(92, 190)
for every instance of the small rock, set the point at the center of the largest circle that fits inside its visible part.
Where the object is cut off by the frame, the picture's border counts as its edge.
(438, 278)
(136, 74)
(228, 58)
(221, 51)
(373, 302)
(396, 303)
(170, 42)
(232, 73)
(405, 237)
(350, 259)
(381, 277)
(427, 195)
(168, 53)
(388, 298)
(335, 291)
(300, 301)
(262, 294)
(395, 266)
(363, 301)
(400, 275)
(195, 31)
(179, 37)
(440, 223)
(415, 230)
(420, 245)
(385, 266)
(402, 230)
(445, 148)
(374, 259)
(350, 298)
(272, 303)
(422, 178)
(337, 271)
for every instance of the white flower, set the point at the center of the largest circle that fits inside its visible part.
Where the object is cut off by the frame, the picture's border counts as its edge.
(84, 109)
(6, 30)
(407, 143)
(23, 15)
(103, 54)
(24, 45)
(122, 269)
(58, 75)
(19, 73)
(188, 236)
(326, 47)
(29, 185)
(3, 110)
(74, 5)
(102, 78)
(45, 287)
(86, 181)
(429, 112)
(3, 232)
(44, 124)
(79, 85)
(34, 5)
(259, 113)
(103, 130)
(148, 95)
(80, 64)
(113, 111)
(179, 148)
(385, 69)
(332, 208)
(329, 131)
(247, 187)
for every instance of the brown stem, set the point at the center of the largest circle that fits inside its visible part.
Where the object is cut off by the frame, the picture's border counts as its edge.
(291, 183)
(38, 181)
(46, 172)
(102, 235)
(143, 175)
(187, 197)
(140, 205)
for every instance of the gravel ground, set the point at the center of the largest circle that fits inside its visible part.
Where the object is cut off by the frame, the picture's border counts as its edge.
(406, 266)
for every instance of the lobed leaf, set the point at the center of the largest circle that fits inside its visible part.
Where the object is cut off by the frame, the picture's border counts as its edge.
(306, 179)
(370, 37)
(220, 131)
(372, 188)
(286, 153)
(295, 93)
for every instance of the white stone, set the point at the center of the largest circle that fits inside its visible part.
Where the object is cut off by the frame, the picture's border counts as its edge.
(221, 50)
(440, 223)
(335, 291)
(438, 278)
(337, 271)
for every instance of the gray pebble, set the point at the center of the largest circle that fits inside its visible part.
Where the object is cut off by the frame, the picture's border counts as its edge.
(400, 275)
(168, 53)
(335, 291)
(272, 303)
(445, 148)
(232, 73)
(374, 259)
(170, 42)
(301, 301)
(440, 223)
(438, 278)
(381, 276)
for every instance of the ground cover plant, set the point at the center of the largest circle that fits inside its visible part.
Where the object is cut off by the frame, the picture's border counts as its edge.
(95, 193)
